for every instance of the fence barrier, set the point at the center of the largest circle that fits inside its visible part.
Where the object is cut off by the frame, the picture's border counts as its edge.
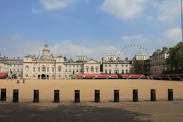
(97, 96)
(170, 94)
(77, 96)
(135, 95)
(56, 96)
(153, 95)
(36, 96)
(3, 94)
(116, 95)
(15, 95)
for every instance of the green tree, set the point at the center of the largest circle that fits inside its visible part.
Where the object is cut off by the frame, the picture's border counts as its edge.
(175, 59)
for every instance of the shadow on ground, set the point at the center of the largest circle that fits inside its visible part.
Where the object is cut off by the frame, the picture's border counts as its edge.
(65, 113)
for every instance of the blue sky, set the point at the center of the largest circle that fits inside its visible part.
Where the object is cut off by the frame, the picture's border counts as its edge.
(91, 27)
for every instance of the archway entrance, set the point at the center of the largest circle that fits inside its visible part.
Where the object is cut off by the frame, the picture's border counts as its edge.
(38, 76)
(43, 76)
(47, 76)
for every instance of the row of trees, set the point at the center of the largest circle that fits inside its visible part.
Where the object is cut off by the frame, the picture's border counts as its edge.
(174, 61)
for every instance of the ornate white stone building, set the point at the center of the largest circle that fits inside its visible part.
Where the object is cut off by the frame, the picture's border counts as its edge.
(158, 61)
(113, 65)
(48, 66)
(14, 67)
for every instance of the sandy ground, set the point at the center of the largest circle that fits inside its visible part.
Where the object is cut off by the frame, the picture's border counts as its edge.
(87, 110)
(87, 87)
(160, 111)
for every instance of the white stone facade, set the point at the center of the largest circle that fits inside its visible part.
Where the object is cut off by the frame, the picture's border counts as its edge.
(157, 61)
(113, 65)
(51, 67)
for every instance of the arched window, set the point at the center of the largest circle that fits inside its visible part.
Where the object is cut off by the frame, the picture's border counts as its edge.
(34, 69)
(43, 68)
(86, 69)
(59, 68)
(92, 69)
(26, 67)
(96, 69)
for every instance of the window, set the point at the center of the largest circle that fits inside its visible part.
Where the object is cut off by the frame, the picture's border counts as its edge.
(43, 68)
(66, 70)
(47, 69)
(86, 69)
(33, 75)
(105, 65)
(26, 75)
(126, 65)
(96, 69)
(27, 68)
(53, 69)
(109, 71)
(92, 69)
(126, 71)
(38, 69)
(59, 68)
(122, 71)
(109, 65)
(105, 71)
(116, 65)
(122, 65)
(69, 70)
(33, 69)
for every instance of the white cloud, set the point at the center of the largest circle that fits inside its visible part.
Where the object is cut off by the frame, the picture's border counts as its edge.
(168, 9)
(173, 36)
(124, 9)
(52, 5)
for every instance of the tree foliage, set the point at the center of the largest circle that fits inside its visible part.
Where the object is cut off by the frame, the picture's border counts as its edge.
(175, 59)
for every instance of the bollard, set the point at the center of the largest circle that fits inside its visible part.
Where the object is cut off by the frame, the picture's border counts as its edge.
(170, 94)
(15, 95)
(3, 94)
(77, 96)
(56, 96)
(36, 96)
(153, 95)
(135, 95)
(97, 96)
(116, 95)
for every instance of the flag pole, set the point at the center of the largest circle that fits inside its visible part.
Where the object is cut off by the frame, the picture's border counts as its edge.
(181, 22)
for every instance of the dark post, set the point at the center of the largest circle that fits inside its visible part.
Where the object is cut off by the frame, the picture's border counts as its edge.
(135, 95)
(3, 94)
(36, 96)
(97, 95)
(77, 96)
(170, 94)
(153, 95)
(56, 96)
(15, 95)
(116, 95)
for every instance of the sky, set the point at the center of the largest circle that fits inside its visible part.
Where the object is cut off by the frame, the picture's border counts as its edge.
(94, 28)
